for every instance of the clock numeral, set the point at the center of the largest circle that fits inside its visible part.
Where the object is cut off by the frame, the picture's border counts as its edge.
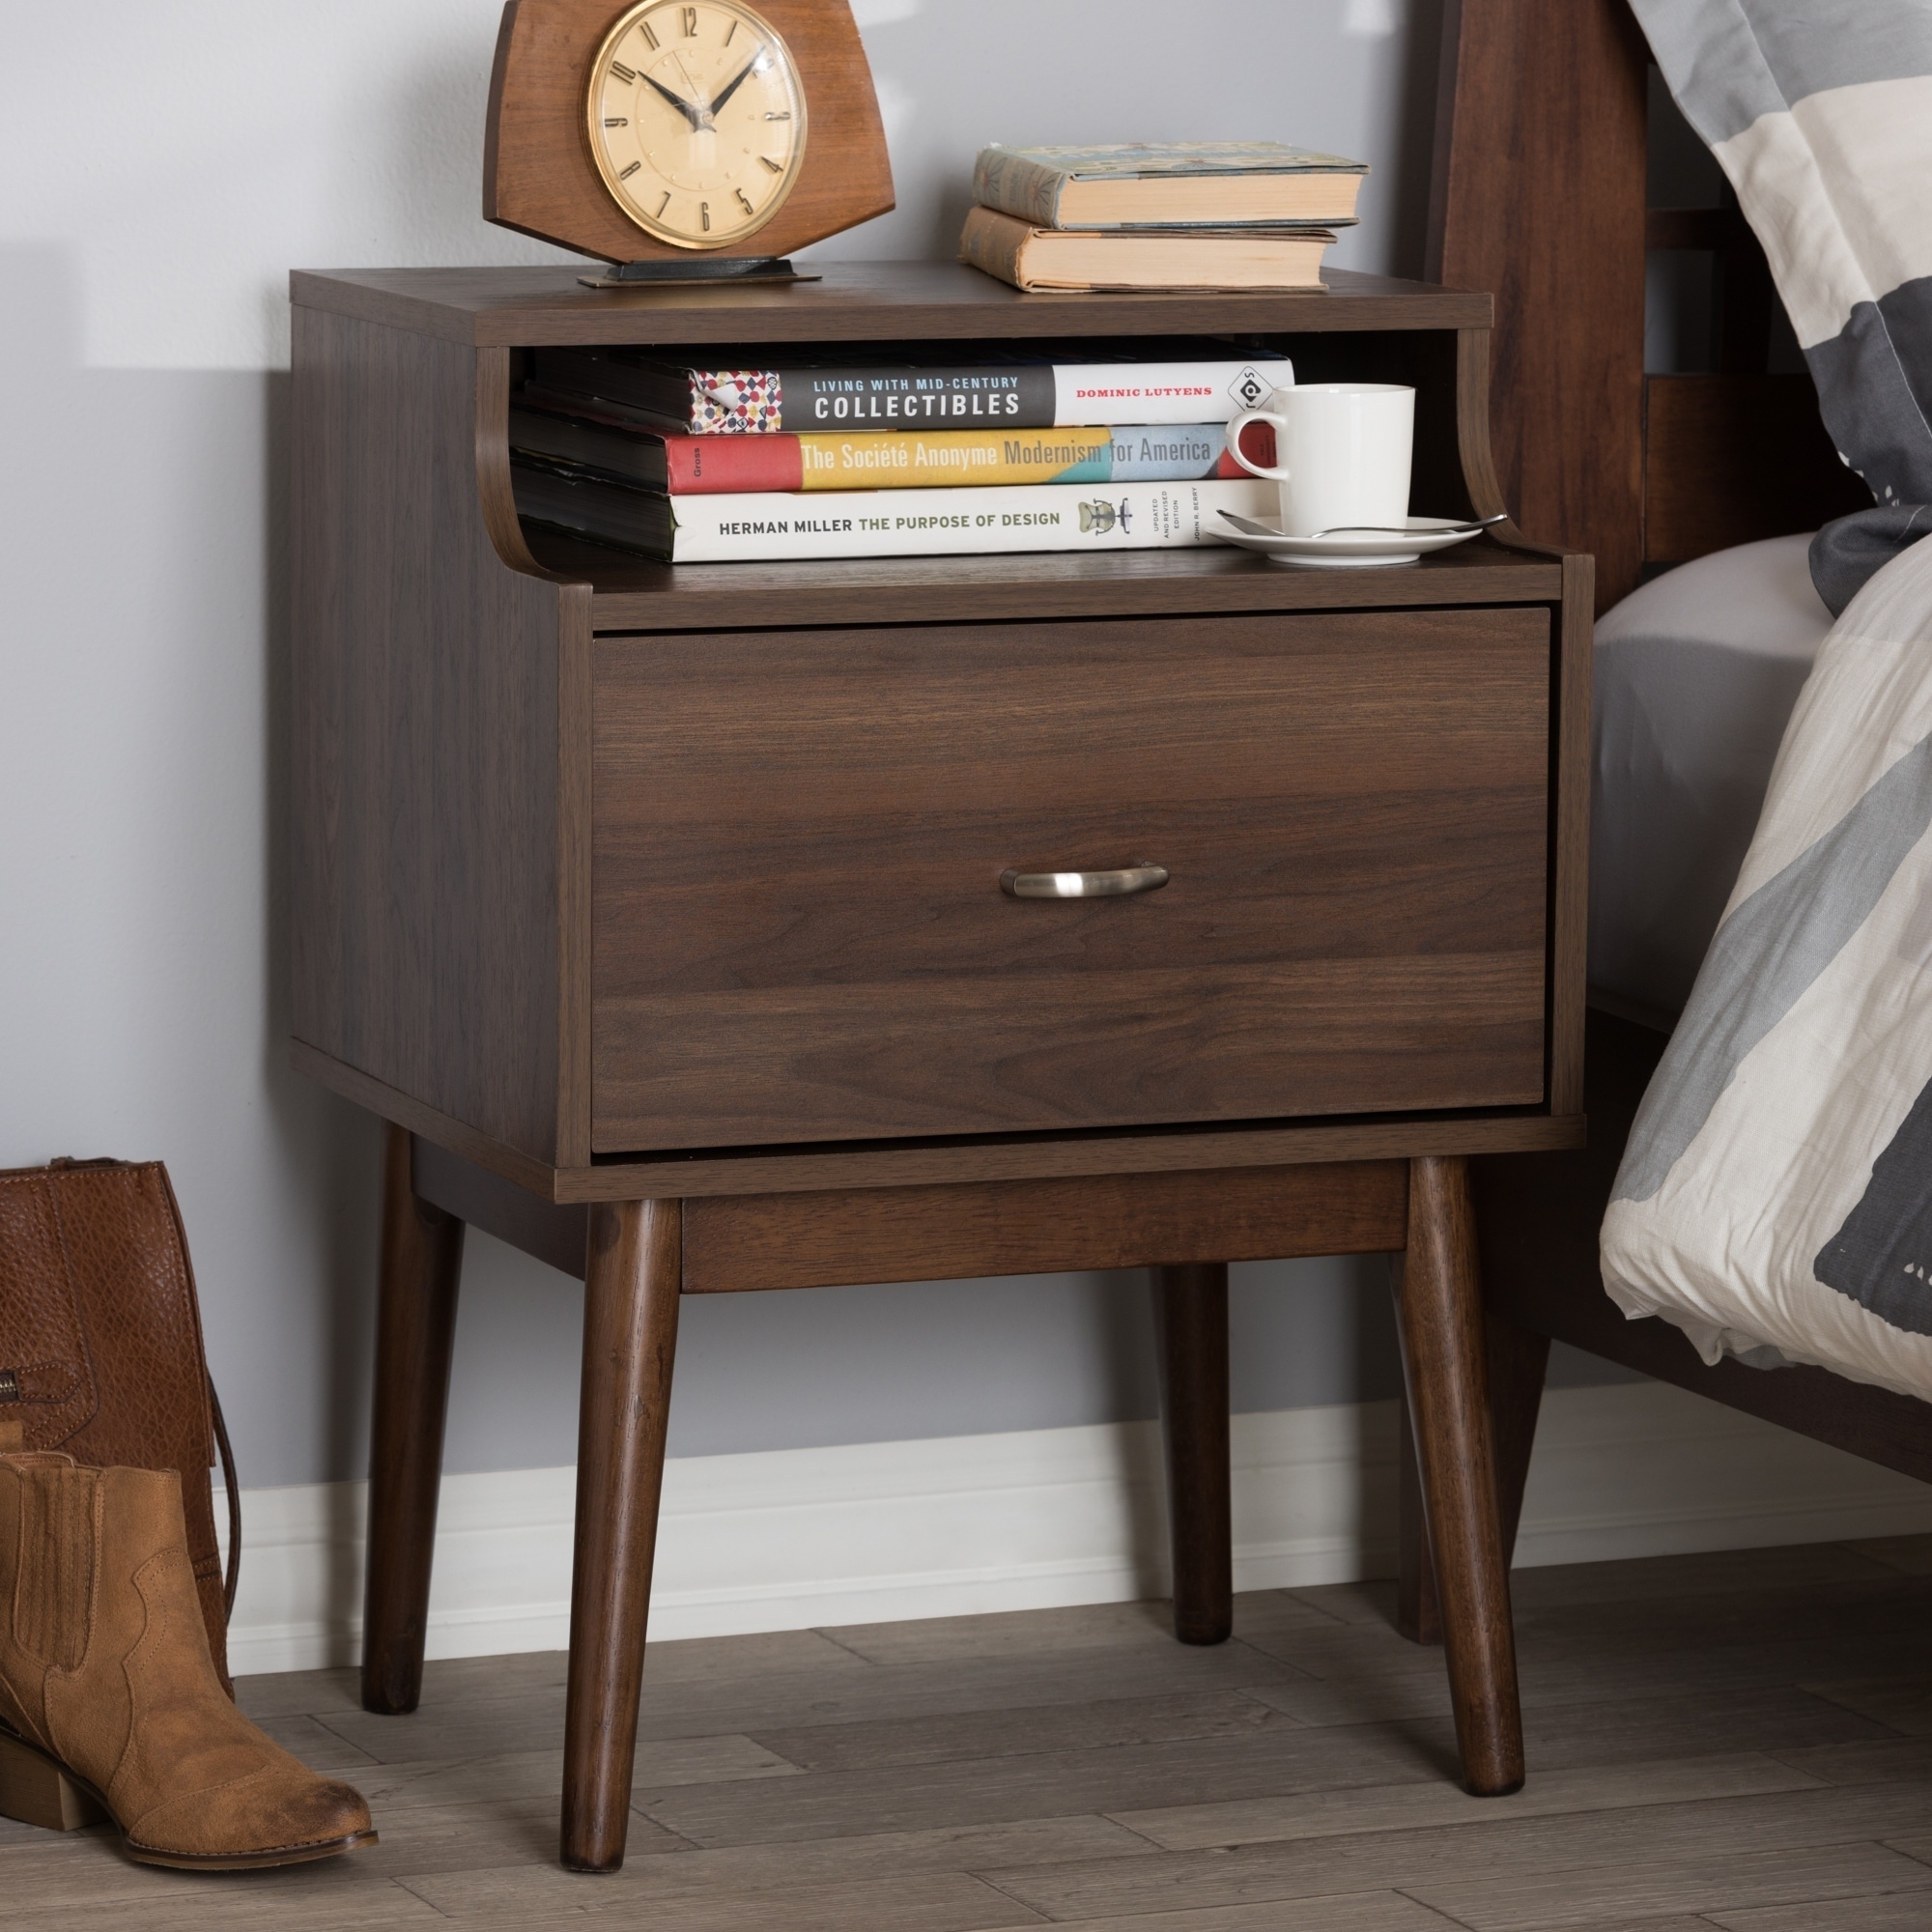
(745, 201)
(662, 206)
(625, 174)
(705, 214)
(777, 167)
(616, 121)
(651, 39)
(691, 23)
(621, 71)
(734, 30)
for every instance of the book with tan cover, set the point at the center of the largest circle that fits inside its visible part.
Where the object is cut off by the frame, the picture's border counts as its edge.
(1031, 257)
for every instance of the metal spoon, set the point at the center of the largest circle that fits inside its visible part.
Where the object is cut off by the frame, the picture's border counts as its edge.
(1255, 530)
(1398, 530)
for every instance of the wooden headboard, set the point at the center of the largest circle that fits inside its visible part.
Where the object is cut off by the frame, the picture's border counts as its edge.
(1539, 195)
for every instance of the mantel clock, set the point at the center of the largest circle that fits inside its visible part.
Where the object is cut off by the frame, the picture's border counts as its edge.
(708, 132)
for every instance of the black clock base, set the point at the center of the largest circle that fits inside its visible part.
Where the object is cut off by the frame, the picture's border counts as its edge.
(699, 268)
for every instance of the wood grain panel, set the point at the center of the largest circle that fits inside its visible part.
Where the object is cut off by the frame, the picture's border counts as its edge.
(918, 1163)
(1570, 837)
(1539, 195)
(995, 1054)
(936, 1234)
(554, 1234)
(799, 933)
(635, 595)
(425, 742)
(859, 302)
(538, 175)
(1732, 459)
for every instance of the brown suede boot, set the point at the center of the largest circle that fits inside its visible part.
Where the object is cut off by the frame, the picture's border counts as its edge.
(106, 1678)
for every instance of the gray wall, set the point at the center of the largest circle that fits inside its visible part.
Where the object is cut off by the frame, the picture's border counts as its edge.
(143, 333)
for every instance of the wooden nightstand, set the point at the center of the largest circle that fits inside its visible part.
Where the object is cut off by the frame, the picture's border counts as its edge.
(659, 911)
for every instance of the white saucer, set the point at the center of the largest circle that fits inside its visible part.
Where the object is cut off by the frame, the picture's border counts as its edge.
(1352, 553)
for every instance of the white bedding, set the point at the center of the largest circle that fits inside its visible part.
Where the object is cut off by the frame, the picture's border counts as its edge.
(1696, 672)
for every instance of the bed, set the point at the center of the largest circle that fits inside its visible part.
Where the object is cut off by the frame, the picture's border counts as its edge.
(1694, 491)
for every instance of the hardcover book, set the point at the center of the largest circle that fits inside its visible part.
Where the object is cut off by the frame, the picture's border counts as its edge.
(1183, 184)
(737, 395)
(690, 465)
(1194, 258)
(881, 522)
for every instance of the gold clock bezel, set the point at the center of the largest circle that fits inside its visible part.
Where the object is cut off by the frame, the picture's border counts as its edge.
(593, 125)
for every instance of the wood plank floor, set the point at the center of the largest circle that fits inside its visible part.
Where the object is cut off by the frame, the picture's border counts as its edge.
(1739, 1741)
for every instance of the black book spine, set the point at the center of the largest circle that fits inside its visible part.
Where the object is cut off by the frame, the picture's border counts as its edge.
(635, 456)
(660, 394)
(1019, 396)
(565, 497)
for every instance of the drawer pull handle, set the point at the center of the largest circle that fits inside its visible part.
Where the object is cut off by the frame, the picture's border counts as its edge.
(1116, 884)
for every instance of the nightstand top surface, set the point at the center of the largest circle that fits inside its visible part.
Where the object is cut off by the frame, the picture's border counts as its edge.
(856, 302)
(634, 594)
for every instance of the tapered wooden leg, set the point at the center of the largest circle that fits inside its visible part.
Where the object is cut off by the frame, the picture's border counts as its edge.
(1439, 1316)
(1191, 1314)
(1516, 1361)
(630, 1342)
(416, 1329)
(1417, 1614)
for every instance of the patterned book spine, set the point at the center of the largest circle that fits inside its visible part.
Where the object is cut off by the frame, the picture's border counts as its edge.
(1017, 185)
(994, 242)
(728, 402)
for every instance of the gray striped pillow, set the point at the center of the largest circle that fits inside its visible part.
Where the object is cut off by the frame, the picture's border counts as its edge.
(1820, 113)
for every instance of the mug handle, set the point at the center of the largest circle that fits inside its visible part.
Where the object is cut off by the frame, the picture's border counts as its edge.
(1235, 429)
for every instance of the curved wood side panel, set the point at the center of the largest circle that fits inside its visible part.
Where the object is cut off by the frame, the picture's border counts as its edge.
(426, 738)
(1472, 428)
(1539, 196)
(538, 176)
(495, 493)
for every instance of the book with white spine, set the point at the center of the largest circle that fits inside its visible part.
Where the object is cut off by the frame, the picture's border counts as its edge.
(887, 523)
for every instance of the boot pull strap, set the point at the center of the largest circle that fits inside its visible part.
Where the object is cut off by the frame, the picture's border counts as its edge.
(228, 1477)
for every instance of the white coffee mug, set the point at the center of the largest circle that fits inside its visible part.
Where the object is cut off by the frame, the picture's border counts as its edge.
(1342, 453)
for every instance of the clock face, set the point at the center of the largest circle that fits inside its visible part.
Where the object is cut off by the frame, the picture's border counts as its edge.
(697, 120)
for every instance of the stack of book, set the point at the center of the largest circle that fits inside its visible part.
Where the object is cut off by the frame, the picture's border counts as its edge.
(1194, 214)
(892, 455)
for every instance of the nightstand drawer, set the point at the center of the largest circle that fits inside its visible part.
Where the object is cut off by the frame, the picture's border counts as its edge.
(799, 930)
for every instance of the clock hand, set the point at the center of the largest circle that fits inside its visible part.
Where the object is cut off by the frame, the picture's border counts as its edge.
(705, 112)
(732, 86)
(696, 116)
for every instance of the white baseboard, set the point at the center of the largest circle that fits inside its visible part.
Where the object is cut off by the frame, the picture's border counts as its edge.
(789, 1539)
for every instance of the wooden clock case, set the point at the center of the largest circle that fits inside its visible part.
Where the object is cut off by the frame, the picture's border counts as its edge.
(539, 177)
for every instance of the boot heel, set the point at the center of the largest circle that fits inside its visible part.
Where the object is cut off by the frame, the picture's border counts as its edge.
(36, 1791)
